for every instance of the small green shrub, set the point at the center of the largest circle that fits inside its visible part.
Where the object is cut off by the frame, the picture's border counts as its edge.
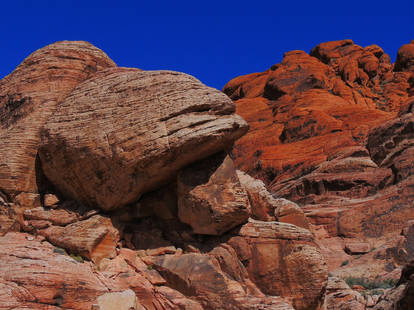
(344, 263)
(150, 267)
(77, 258)
(370, 284)
(376, 292)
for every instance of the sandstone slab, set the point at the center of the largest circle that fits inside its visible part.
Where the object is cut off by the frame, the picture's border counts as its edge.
(283, 260)
(210, 197)
(263, 204)
(199, 275)
(28, 98)
(94, 238)
(118, 300)
(125, 132)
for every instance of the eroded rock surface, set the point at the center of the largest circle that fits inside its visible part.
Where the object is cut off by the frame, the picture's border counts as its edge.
(29, 97)
(210, 197)
(123, 193)
(125, 132)
(332, 131)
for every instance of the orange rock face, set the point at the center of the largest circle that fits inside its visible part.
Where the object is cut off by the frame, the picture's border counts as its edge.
(308, 108)
(154, 146)
(331, 130)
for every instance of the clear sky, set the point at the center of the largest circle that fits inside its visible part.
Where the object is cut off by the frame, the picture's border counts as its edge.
(213, 40)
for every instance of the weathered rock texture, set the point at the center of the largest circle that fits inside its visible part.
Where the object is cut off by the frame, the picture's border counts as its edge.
(210, 197)
(400, 297)
(339, 296)
(117, 190)
(283, 260)
(154, 146)
(125, 132)
(332, 131)
(29, 97)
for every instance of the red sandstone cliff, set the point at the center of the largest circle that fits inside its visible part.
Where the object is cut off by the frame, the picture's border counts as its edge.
(117, 190)
(333, 131)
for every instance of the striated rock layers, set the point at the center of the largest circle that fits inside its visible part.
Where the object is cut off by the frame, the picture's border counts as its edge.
(333, 131)
(29, 96)
(127, 132)
(119, 188)
(117, 191)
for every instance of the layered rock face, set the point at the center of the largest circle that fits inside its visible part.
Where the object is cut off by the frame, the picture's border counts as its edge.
(122, 195)
(28, 98)
(128, 132)
(119, 187)
(331, 130)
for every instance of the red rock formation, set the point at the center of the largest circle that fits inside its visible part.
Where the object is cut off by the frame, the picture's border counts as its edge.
(29, 96)
(340, 297)
(128, 132)
(210, 197)
(324, 133)
(282, 259)
(151, 145)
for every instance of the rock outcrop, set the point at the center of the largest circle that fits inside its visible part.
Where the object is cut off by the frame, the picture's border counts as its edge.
(123, 196)
(332, 131)
(119, 188)
(401, 297)
(125, 132)
(283, 260)
(339, 296)
(210, 197)
(29, 96)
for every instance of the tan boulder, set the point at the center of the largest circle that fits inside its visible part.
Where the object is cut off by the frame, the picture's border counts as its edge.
(289, 212)
(340, 297)
(210, 197)
(50, 201)
(125, 300)
(29, 96)
(355, 248)
(125, 132)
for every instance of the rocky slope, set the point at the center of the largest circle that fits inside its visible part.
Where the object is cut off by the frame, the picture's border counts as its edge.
(117, 192)
(119, 188)
(332, 131)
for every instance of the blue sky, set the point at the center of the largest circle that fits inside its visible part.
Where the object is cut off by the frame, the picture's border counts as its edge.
(213, 40)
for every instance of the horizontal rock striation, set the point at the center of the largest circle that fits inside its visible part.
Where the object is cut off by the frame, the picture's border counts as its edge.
(28, 98)
(125, 132)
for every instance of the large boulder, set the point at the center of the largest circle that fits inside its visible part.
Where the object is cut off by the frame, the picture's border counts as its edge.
(339, 296)
(263, 204)
(283, 260)
(200, 276)
(125, 132)
(28, 98)
(210, 197)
